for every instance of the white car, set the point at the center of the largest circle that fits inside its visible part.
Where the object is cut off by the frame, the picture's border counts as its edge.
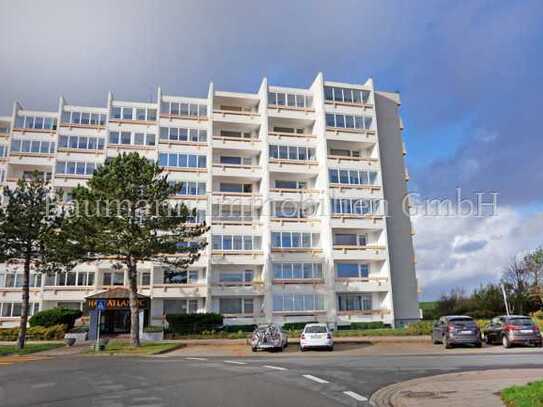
(316, 336)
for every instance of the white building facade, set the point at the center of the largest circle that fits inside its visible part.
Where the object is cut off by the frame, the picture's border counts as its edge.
(303, 190)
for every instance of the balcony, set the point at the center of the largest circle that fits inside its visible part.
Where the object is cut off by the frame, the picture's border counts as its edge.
(351, 252)
(373, 222)
(237, 170)
(254, 288)
(240, 198)
(241, 257)
(178, 290)
(294, 166)
(32, 159)
(366, 163)
(368, 137)
(355, 190)
(368, 285)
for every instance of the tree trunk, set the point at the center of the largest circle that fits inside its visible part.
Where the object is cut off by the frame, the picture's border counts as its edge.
(133, 295)
(24, 308)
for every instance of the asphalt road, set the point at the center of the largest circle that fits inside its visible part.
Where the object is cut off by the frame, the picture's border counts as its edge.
(321, 379)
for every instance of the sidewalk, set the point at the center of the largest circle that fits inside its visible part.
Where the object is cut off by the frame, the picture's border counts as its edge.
(476, 388)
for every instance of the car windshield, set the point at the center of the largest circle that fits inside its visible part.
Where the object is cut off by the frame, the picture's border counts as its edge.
(521, 321)
(462, 321)
(315, 330)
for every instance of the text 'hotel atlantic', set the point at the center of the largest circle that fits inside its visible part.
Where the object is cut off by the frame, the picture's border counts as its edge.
(294, 183)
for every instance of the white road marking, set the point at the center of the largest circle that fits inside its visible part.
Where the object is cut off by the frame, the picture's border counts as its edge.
(196, 358)
(315, 379)
(355, 396)
(275, 367)
(234, 362)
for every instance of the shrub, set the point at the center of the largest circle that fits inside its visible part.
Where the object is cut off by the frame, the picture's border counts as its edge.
(538, 315)
(368, 325)
(183, 324)
(55, 316)
(239, 328)
(419, 328)
(36, 333)
(79, 329)
(296, 326)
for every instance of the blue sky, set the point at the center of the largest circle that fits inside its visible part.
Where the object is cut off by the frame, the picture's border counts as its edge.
(469, 73)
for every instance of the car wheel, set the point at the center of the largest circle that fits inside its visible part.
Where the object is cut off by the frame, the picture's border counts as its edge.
(488, 341)
(253, 348)
(506, 342)
(539, 344)
(330, 348)
(446, 343)
(434, 340)
(479, 345)
(302, 349)
(280, 349)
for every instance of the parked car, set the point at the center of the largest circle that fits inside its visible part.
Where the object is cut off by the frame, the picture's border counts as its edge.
(316, 336)
(453, 330)
(513, 330)
(268, 337)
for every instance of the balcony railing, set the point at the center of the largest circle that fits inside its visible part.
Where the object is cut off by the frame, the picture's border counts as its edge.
(281, 135)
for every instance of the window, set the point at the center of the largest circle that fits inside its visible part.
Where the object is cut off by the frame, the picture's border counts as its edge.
(335, 94)
(15, 280)
(236, 306)
(239, 188)
(190, 110)
(236, 242)
(350, 239)
(293, 209)
(297, 271)
(298, 302)
(81, 142)
(290, 100)
(180, 277)
(348, 121)
(84, 118)
(352, 177)
(287, 240)
(131, 113)
(3, 150)
(72, 168)
(290, 184)
(182, 160)
(72, 278)
(189, 188)
(354, 206)
(246, 276)
(32, 146)
(13, 309)
(183, 134)
(292, 153)
(180, 306)
(354, 302)
(38, 122)
(235, 212)
(128, 138)
(113, 278)
(352, 270)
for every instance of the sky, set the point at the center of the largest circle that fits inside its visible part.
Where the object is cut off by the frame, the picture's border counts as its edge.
(470, 75)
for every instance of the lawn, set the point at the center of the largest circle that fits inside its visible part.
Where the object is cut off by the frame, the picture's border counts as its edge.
(6, 350)
(147, 348)
(530, 395)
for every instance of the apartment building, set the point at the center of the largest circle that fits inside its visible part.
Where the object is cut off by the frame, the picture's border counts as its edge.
(302, 189)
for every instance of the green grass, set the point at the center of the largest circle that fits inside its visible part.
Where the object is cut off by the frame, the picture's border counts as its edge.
(6, 350)
(147, 348)
(530, 395)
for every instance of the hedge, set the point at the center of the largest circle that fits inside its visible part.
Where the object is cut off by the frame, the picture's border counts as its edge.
(55, 316)
(239, 328)
(182, 324)
(35, 333)
(296, 326)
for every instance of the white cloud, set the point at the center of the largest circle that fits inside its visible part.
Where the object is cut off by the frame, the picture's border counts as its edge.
(465, 251)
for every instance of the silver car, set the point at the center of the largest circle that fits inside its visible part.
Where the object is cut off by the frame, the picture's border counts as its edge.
(268, 337)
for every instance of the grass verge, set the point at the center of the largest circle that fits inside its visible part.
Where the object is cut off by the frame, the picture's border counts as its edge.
(147, 348)
(530, 395)
(7, 350)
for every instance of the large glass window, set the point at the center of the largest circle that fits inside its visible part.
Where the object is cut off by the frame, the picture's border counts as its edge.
(189, 188)
(81, 142)
(32, 146)
(297, 271)
(345, 95)
(183, 134)
(348, 121)
(84, 118)
(287, 240)
(352, 177)
(182, 160)
(298, 302)
(354, 206)
(236, 306)
(352, 270)
(292, 153)
(183, 109)
(246, 276)
(180, 277)
(35, 122)
(13, 309)
(236, 242)
(181, 306)
(350, 239)
(73, 167)
(290, 100)
(354, 302)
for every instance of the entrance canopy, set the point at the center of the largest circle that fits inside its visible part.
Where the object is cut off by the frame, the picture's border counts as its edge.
(117, 299)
